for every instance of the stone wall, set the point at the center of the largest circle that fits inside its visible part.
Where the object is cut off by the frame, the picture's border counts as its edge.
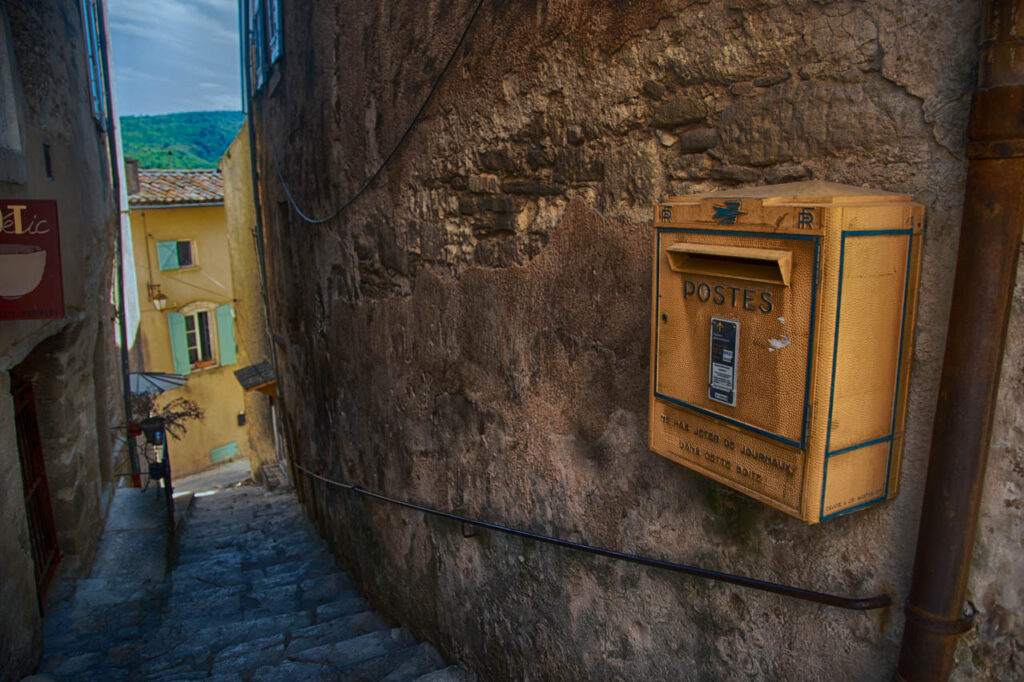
(72, 362)
(21, 633)
(472, 333)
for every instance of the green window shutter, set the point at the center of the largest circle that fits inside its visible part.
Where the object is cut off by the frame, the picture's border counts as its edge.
(224, 451)
(226, 335)
(167, 255)
(179, 344)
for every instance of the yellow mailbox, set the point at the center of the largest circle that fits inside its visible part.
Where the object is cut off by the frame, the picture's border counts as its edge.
(781, 332)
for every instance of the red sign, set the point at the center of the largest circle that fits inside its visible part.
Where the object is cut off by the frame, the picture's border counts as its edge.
(31, 284)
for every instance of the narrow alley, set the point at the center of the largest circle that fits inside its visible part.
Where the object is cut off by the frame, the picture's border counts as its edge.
(512, 341)
(253, 595)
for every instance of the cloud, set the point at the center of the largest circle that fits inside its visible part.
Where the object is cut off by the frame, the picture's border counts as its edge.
(222, 102)
(165, 52)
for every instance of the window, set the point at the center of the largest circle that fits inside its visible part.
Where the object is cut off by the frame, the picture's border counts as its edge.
(92, 23)
(274, 30)
(197, 339)
(174, 255)
(12, 153)
(265, 38)
(202, 336)
(259, 44)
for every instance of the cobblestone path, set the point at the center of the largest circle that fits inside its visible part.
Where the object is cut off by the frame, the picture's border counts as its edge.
(255, 595)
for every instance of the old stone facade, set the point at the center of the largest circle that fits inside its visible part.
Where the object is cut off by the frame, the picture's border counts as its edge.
(54, 147)
(472, 332)
(266, 444)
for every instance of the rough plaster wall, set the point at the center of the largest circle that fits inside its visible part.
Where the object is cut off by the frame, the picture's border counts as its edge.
(54, 78)
(21, 633)
(74, 409)
(250, 314)
(473, 332)
(61, 370)
(73, 360)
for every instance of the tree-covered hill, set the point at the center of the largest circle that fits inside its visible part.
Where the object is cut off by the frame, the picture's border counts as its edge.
(195, 139)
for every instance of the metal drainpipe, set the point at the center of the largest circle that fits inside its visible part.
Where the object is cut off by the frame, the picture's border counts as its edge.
(115, 181)
(982, 295)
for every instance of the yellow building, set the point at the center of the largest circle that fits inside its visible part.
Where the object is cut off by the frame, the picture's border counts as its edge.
(187, 303)
(255, 354)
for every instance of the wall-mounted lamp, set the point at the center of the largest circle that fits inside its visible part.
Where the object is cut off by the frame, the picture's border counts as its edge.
(157, 297)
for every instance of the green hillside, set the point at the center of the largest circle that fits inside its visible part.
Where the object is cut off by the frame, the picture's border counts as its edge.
(195, 139)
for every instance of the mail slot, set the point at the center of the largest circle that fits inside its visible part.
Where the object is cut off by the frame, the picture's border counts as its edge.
(781, 332)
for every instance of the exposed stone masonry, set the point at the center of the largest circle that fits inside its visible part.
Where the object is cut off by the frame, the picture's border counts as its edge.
(473, 332)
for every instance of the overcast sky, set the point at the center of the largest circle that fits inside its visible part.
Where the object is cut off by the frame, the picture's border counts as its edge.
(175, 55)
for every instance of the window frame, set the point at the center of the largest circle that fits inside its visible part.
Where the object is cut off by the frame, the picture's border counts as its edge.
(13, 167)
(220, 331)
(91, 26)
(177, 255)
(196, 333)
(265, 38)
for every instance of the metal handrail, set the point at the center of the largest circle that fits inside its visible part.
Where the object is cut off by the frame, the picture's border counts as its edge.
(849, 603)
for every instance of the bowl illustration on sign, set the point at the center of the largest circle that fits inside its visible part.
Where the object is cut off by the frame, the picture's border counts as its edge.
(21, 269)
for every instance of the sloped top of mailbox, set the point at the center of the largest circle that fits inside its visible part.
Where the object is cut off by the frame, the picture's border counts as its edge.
(801, 193)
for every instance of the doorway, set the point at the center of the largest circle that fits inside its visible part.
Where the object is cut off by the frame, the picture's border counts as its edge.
(38, 508)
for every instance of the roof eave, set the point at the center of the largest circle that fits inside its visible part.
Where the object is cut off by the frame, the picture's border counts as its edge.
(132, 206)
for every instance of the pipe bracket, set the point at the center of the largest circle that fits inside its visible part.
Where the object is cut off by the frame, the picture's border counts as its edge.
(1002, 149)
(937, 624)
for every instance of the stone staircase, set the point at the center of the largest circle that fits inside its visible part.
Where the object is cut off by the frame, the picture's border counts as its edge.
(255, 595)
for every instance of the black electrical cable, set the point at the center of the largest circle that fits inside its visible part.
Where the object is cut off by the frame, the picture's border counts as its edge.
(850, 603)
(412, 124)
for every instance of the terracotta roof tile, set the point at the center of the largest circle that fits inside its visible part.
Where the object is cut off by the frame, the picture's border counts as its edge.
(162, 186)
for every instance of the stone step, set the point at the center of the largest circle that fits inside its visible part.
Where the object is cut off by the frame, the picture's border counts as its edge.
(255, 596)
(217, 637)
(270, 552)
(202, 527)
(341, 607)
(236, 651)
(260, 591)
(453, 673)
(275, 649)
(332, 661)
(397, 666)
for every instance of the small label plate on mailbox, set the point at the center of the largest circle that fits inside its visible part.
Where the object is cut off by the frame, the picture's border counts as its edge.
(722, 365)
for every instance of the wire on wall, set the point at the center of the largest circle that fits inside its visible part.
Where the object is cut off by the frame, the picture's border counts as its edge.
(394, 150)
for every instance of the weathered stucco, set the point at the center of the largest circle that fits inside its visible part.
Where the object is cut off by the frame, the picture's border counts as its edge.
(472, 333)
(207, 285)
(72, 362)
(21, 633)
(251, 317)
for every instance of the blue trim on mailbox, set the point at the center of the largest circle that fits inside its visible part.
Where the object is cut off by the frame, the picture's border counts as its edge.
(810, 333)
(810, 341)
(832, 387)
(899, 364)
(728, 420)
(856, 507)
(858, 446)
